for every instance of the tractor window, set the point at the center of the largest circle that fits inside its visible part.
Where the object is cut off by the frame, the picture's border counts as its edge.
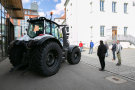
(55, 31)
(47, 27)
(60, 36)
(35, 28)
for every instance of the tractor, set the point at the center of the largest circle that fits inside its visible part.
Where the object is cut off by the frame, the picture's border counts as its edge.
(43, 48)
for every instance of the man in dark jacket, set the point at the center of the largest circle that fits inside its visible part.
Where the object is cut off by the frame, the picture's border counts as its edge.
(114, 50)
(101, 54)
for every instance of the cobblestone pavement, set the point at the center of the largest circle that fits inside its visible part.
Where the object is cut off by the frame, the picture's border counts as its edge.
(127, 69)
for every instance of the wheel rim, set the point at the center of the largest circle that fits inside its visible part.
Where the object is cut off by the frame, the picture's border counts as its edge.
(51, 58)
(76, 55)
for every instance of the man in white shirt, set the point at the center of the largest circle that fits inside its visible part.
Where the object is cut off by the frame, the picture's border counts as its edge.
(118, 51)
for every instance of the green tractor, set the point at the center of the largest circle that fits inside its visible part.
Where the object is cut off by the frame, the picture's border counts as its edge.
(44, 48)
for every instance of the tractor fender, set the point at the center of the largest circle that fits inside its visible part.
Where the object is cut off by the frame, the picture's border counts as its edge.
(71, 47)
(48, 39)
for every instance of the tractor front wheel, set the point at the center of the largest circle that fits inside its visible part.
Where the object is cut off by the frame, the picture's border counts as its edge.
(75, 56)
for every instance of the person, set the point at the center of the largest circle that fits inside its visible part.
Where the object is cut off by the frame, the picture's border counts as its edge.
(118, 51)
(81, 45)
(114, 50)
(107, 47)
(91, 47)
(101, 54)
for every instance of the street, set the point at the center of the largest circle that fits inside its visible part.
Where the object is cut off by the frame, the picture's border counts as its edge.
(82, 76)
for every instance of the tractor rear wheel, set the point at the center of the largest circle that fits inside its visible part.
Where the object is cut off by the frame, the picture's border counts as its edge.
(75, 56)
(16, 56)
(47, 58)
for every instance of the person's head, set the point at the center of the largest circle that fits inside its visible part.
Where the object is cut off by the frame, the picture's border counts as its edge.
(101, 42)
(80, 41)
(91, 40)
(118, 42)
(105, 42)
(114, 42)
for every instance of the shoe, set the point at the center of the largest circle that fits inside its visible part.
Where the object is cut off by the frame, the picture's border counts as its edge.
(118, 64)
(101, 69)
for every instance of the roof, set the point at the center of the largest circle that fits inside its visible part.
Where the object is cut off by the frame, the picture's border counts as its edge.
(41, 18)
(64, 16)
(14, 8)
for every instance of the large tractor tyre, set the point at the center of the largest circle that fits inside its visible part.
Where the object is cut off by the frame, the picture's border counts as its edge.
(75, 56)
(16, 56)
(46, 59)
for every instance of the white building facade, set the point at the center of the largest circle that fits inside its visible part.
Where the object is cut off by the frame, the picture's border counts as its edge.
(99, 20)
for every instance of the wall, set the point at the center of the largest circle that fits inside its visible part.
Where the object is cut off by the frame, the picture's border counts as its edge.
(81, 16)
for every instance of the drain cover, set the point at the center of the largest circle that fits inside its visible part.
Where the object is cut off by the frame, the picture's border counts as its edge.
(115, 79)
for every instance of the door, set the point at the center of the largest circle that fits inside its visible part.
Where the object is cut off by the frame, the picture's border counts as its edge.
(114, 33)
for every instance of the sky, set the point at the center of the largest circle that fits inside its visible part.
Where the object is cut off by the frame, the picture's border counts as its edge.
(46, 6)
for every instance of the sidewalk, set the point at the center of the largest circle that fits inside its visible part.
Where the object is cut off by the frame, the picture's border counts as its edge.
(127, 69)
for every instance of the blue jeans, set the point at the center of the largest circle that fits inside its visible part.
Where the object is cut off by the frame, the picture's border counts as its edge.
(106, 54)
(81, 49)
(90, 50)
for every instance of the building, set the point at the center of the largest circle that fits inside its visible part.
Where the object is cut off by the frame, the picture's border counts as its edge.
(34, 6)
(99, 20)
(22, 25)
(61, 20)
(9, 9)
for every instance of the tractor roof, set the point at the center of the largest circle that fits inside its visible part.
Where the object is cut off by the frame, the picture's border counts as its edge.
(39, 19)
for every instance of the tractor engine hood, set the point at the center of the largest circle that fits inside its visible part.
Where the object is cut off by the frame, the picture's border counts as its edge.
(27, 38)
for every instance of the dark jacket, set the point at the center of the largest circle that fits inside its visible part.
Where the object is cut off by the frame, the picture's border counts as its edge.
(114, 47)
(101, 50)
(107, 46)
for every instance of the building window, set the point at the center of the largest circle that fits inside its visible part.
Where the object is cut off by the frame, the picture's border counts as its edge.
(125, 31)
(133, 3)
(26, 12)
(102, 31)
(101, 5)
(113, 6)
(125, 7)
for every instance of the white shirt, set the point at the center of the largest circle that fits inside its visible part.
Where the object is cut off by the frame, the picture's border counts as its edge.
(118, 48)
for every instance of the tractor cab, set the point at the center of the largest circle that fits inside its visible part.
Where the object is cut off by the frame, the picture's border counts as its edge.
(42, 27)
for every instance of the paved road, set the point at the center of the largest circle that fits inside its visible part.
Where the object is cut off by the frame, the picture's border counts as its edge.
(70, 77)
(127, 69)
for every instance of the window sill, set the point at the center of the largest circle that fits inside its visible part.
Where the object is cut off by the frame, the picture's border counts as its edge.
(102, 11)
(125, 13)
(102, 36)
(114, 12)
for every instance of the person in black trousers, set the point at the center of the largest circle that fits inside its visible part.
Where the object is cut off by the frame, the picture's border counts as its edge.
(114, 50)
(101, 54)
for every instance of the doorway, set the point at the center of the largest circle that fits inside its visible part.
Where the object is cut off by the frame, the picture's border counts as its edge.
(114, 33)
